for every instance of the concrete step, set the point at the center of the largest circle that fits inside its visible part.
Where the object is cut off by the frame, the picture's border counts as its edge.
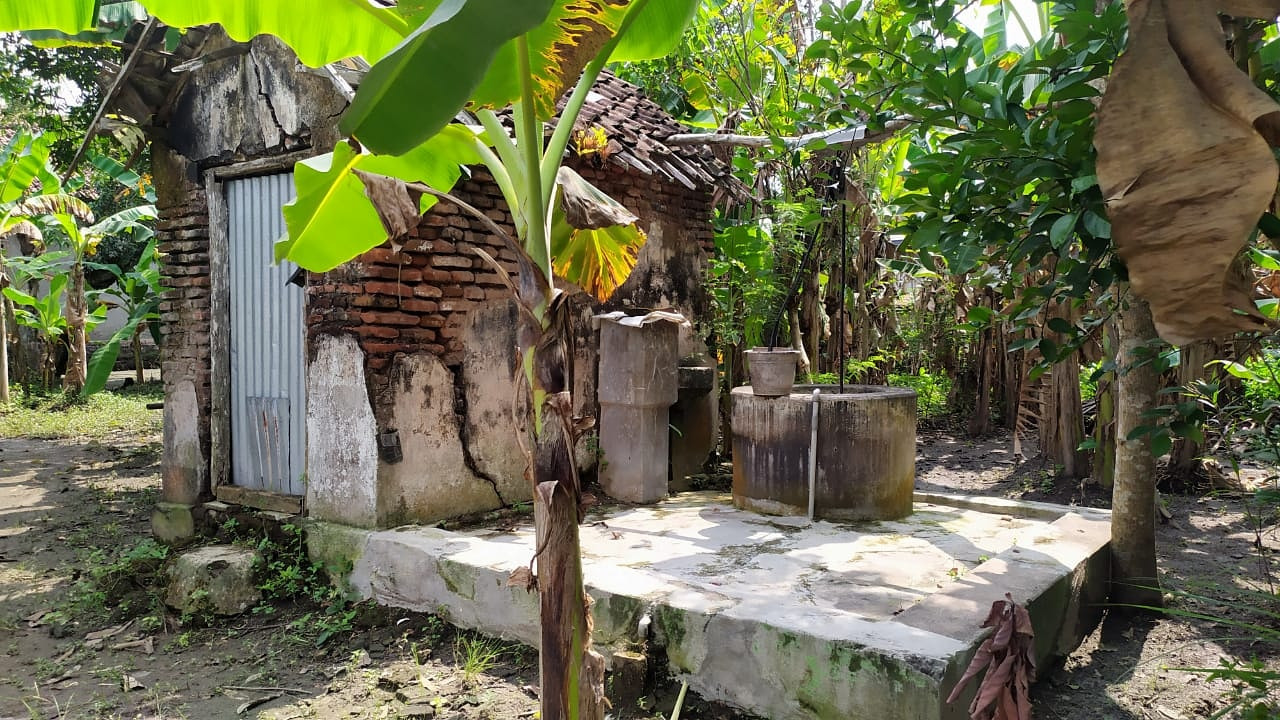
(775, 615)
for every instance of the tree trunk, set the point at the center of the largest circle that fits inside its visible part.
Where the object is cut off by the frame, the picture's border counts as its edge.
(1184, 460)
(980, 420)
(4, 349)
(572, 673)
(1133, 499)
(1104, 431)
(1063, 429)
(77, 361)
(139, 376)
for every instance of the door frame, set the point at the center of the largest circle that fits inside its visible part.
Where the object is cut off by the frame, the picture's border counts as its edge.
(220, 302)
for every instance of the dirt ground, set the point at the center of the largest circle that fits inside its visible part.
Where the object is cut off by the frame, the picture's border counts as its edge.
(67, 506)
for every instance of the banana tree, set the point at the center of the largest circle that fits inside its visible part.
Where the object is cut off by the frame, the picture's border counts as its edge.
(44, 316)
(24, 159)
(564, 226)
(137, 292)
(73, 217)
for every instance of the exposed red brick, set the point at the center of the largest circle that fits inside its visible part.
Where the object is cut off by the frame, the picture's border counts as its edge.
(388, 318)
(389, 288)
(419, 306)
(378, 331)
(422, 335)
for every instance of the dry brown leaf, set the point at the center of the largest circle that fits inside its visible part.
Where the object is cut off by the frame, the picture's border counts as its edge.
(398, 207)
(522, 577)
(1008, 658)
(1185, 179)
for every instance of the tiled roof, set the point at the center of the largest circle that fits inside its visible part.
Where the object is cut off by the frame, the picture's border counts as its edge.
(637, 128)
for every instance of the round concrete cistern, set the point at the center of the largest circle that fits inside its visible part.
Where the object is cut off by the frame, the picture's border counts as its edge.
(866, 457)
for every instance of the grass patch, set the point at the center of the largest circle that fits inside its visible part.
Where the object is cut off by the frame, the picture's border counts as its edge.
(55, 415)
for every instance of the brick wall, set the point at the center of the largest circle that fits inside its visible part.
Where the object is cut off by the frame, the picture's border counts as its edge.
(182, 235)
(416, 296)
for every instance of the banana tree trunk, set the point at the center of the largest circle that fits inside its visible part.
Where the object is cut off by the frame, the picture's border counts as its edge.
(138, 375)
(1133, 497)
(4, 349)
(77, 361)
(1184, 461)
(572, 673)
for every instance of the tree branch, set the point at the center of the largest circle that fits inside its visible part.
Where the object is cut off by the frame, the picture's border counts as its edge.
(850, 138)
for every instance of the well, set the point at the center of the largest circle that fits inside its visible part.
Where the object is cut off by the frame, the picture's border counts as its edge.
(866, 450)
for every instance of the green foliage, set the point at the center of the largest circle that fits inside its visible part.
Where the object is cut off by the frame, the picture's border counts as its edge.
(1089, 376)
(52, 415)
(138, 293)
(476, 655)
(286, 573)
(932, 391)
(120, 583)
(743, 286)
(1002, 171)
(1261, 380)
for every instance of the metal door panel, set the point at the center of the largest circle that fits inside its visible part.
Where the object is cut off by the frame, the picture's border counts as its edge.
(268, 402)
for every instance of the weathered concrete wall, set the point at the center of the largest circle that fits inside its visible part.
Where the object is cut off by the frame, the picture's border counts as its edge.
(253, 105)
(342, 452)
(186, 469)
(431, 295)
(487, 390)
(433, 481)
(428, 295)
(669, 274)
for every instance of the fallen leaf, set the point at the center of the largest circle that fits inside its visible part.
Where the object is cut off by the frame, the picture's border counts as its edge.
(522, 577)
(107, 632)
(129, 682)
(246, 706)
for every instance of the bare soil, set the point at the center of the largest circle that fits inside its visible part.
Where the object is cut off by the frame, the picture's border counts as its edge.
(67, 506)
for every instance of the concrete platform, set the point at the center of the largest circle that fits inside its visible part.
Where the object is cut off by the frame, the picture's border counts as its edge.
(777, 616)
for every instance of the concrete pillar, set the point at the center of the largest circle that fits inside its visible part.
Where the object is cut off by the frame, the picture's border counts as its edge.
(637, 385)
(185, 481)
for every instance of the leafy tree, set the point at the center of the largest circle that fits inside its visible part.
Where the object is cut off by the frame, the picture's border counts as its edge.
(137, 292)
(73, 218)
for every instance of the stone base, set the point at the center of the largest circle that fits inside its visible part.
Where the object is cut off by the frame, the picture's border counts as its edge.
(777, 616)
(173, 523)
(215, 578)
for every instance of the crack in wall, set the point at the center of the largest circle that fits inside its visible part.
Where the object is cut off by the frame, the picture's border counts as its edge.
(266, 100)
(460, 408)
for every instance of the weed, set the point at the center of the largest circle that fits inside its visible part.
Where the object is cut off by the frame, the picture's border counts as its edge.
(1251, 617)
(931, 391)
(124, 585)
(476, 655)
(285, 573)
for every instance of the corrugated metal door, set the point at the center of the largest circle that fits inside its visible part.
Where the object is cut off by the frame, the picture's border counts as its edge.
(268, 403)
